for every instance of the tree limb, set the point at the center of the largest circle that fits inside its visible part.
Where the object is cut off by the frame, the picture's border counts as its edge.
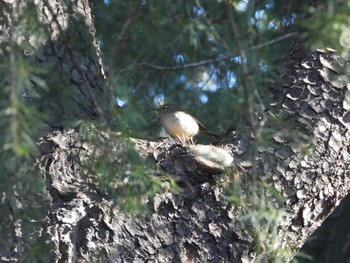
(145, 66)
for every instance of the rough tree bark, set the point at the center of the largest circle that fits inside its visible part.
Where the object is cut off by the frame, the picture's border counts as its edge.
(197, 225)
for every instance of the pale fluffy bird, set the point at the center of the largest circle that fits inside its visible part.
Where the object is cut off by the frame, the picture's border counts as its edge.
(179, 124)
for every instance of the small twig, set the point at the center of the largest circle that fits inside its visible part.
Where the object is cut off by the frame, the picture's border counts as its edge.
(126, 27)
(119, 45)
(271, 42)
(246, 88)
(212, 27)
(208, 61)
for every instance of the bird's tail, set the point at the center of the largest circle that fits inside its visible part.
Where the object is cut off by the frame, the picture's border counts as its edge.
(210, 133)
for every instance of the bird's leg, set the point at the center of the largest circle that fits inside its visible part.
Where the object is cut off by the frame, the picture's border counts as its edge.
(179, 140)
(191, 141)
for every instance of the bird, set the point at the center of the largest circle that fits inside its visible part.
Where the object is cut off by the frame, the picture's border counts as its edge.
(180, 124)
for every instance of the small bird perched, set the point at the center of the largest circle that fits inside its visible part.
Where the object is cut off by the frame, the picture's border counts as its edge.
(179, 124)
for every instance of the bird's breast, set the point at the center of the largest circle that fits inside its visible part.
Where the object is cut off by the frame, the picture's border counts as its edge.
(180, 124)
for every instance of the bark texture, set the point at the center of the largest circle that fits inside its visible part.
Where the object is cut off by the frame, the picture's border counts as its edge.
(199, 224)
(316, 102)
(63, 45)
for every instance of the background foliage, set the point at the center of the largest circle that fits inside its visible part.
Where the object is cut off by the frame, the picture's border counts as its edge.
(216, 59)
(149, 39)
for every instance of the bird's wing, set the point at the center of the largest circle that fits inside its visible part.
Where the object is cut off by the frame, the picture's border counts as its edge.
(204, 130)
(201, 126)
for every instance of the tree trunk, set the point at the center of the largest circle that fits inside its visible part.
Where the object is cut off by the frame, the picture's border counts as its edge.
(199, 224)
